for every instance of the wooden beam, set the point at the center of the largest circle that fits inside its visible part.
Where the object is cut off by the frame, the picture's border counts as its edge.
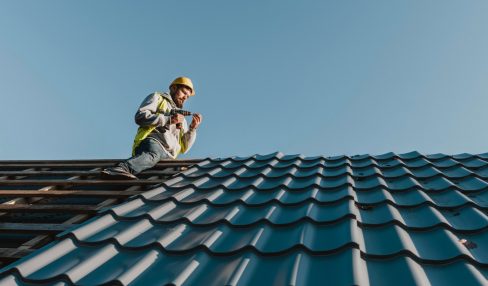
(79, 182)
(88, 165)
(67, 193)
(25, 208)
(14, 253)
(165, 172)
(46, 228)
(94, 161)
(43, 189)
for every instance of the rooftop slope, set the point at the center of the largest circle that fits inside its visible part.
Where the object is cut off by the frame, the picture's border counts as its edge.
(279, 220)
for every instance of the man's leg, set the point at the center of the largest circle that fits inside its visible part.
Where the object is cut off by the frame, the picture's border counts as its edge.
(147, 155)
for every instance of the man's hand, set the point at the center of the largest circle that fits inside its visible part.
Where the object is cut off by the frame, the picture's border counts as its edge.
(177, 119)
(197, 119)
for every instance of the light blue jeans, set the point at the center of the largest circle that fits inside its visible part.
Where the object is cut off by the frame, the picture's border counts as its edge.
(147, 155)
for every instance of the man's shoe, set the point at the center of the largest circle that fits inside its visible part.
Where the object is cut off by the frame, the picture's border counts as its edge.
(117, 173)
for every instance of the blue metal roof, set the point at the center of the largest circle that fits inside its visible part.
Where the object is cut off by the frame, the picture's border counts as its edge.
(392, 219)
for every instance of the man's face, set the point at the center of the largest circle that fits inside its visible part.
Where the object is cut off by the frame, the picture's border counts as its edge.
(180, 94)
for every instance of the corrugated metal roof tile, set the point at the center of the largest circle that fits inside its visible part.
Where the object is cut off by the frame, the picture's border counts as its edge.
(410, 155)
(280, 219)
(482, 156)
(436, 156)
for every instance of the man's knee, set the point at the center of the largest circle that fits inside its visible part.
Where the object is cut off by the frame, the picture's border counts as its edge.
(153, 157)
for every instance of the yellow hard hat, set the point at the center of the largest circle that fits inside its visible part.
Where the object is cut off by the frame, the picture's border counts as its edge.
(184, 81)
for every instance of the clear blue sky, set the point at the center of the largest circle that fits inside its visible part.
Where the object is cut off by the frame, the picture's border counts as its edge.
(309, 77)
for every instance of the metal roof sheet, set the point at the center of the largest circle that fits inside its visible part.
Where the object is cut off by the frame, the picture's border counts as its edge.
(279, 219)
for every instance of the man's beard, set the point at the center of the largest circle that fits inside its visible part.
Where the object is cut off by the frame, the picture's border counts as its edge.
(177, 103)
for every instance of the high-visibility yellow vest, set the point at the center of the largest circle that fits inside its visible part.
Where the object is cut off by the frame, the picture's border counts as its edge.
(164, 107)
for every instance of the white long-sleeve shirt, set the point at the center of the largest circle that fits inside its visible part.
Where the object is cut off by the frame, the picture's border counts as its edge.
(174, 141)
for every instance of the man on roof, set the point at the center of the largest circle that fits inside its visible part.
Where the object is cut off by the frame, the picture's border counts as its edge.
(162, 134)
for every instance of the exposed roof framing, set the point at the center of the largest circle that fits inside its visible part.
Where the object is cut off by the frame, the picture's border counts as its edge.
(41, 198)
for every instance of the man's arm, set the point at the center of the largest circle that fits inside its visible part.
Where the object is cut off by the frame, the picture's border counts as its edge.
(188, 138)
(147, 114)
